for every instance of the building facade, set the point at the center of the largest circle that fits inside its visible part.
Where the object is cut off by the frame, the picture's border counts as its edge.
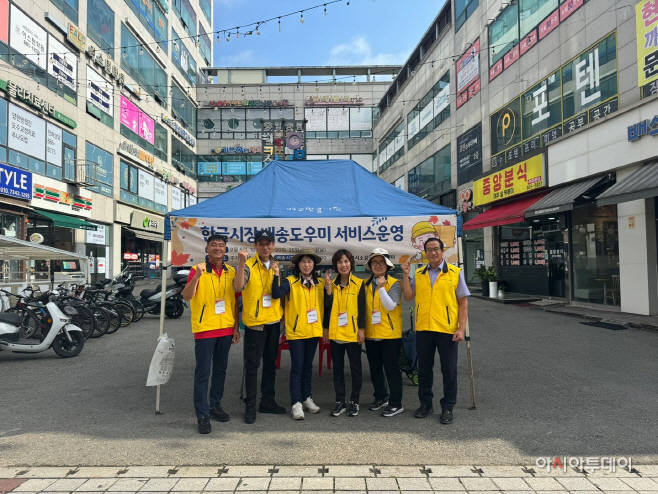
(535, 120)
(97, 117)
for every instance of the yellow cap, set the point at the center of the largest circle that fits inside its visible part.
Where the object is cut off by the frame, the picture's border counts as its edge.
(422, 228)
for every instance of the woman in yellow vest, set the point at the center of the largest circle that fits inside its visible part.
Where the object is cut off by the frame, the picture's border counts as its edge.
(384, 333)
(304, 312)
(344, 323)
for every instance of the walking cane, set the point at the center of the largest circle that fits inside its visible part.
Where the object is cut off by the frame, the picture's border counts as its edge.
(467, 334)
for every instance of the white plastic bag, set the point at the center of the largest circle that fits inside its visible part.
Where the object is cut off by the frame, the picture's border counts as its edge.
(162, 363)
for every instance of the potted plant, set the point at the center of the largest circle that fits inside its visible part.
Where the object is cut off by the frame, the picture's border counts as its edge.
(482, 273)
(492, 276)
(501, 290)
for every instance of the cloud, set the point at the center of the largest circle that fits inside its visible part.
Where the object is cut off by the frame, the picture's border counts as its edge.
(243, 58)
(359, 52)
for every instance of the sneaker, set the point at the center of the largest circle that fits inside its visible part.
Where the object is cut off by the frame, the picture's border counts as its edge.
(339, 408)
(423, 412)
(218, 414)
(297, 411)
(390, 411)
(270, 406)
(204, 425)
(250, 414)
(353, 410)
(310, 405)
(377, 404)
(446, 417)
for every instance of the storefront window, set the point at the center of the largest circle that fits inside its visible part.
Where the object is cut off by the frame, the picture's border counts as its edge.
(183, 157)
(595, 246)
(183, 109)
(463, 10)
(431, 178)
(503, 33)
(542, 106)
(532, 12)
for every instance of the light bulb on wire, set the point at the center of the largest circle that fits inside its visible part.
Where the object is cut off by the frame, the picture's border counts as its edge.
(279, 24)
(325, 11)
(228, 38)
(301, 19)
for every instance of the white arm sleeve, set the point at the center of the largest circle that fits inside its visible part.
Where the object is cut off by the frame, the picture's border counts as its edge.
(386, 300)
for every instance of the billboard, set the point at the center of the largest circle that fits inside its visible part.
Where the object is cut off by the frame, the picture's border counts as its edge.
(27, 133)
(28, 38)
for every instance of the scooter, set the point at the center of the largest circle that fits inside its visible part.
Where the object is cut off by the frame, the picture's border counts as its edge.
(65, 338)
(174, 303)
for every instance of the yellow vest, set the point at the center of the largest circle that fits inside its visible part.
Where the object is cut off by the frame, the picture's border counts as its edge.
(345, 300)
(210, 289)
(391, 322)
(260, 283)
(300, 300)
(436, 306)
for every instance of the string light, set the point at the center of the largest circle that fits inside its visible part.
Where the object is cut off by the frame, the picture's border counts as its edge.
(279, 24)
(228, 38)
(325, 11)
(301, 19)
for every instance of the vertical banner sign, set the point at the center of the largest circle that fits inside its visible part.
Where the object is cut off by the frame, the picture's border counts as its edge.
(62, 64)
(646, 19)
(99, 92)
(468, 74)
(146, 189)
(54, 145)
(129, 115)
(146, 127)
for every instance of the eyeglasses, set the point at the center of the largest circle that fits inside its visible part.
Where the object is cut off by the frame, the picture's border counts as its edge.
(378, 263)
(434, 251)
(307, 261)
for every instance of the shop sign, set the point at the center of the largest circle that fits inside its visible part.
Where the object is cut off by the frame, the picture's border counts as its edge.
(469, 148)
(130, 149)
(100, 264)
(187, 186)
(98, 236)
(468, 74)
(166, 176)
(54, 145)
(99, 92)
(147, 222)
(646, 23)
(178, 129)
(106, 64)
(32, 99)
(175, 199)
(15, 182)
(27, 132)
(36, 238)
(62, 64)
(244, 103)
(127, 256)
(329, 100)
(136, 120)
(160, 192)
(237, 149)
(645, 127)
(509, 182)
(28, 38)
(76, 37)
(77, 202)
(466, 200)
(146, 190)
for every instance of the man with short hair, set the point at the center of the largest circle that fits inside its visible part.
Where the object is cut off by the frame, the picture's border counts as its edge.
(441, 315)
(215, 325)
(261, 315)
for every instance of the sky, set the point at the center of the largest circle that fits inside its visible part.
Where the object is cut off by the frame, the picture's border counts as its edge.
(365, 32)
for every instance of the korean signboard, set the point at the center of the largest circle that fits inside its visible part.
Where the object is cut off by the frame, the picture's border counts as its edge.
(76, 37)
(580, 92)
(27, 133)
(146, 190)
(160, 192)
(137, 121)
(643, 128)
(511, 181)
(250, 103)
(62, 64)
(147, 221)
(99, 92)
(175, 199)
(646, 22)
(15, 182)
(28, 38)
(54, 145)
(468, 74)
(469, 154)
(34, 100)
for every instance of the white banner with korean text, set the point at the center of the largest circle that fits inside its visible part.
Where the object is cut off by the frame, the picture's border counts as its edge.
(402, 236)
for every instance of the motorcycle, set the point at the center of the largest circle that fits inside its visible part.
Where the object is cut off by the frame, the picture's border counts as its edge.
(174, 303)
(66, 339)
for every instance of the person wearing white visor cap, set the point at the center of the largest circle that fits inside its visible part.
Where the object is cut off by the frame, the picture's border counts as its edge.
(384, 333)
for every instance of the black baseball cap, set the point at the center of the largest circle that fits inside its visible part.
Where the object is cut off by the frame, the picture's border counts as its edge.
(263, 235)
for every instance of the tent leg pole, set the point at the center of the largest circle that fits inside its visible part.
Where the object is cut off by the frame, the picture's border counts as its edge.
(163, 298)
(470, 366)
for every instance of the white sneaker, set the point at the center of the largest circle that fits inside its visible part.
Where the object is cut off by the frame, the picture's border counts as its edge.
(297, 411)
(310, 405)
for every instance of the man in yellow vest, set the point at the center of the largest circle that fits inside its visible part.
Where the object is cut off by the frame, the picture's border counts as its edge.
(261, 315)
(441, 313)
(215, 325)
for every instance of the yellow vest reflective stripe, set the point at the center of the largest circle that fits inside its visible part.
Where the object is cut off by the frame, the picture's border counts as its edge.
(298, 301)
(436, 306)
(260, 283)
(391, 322)
(210, 289)
(345, 300)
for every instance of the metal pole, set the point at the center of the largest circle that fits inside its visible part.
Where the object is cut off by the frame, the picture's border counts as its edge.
(467, 333)
(163, 298)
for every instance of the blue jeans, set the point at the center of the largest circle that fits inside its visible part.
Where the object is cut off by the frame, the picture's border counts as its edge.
(210, 351)
(302, 353)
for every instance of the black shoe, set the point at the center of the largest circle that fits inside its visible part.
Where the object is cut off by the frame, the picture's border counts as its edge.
(391, 411)
(270, 406)
(250, 414)
(218, 414)
(339, 408)
(423, 412)
(353, 409)
(377, 404)
(204, 425)
(446, 417)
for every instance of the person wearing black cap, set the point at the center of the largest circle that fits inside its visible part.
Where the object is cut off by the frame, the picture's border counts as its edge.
(261, 315)
(215, 326)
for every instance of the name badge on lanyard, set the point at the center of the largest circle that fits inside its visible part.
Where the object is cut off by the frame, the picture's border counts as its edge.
(342, 319)
(376, 317)
(267, 300)
(311, 316)
(220, 306)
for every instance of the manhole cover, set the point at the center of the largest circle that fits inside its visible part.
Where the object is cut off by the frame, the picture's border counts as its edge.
(604, 325)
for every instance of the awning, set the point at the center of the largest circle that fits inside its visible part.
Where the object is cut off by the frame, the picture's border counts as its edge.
(642, 183)
(12, 249)
(562, 199)
(155, 237)
(504, 214)
(67, 221)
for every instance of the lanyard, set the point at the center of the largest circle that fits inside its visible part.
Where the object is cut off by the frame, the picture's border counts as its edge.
(340, 295)
(373, 296)
(314, 297)
(260, 275)
(212, 281)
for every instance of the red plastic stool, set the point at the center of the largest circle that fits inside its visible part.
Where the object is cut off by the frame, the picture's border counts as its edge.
(324, 347)
(283, 345)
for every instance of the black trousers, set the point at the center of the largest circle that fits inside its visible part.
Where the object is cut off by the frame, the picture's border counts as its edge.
(353, 351)
(384, 356)
(427, 343)
(210, 353)
(261, 345)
